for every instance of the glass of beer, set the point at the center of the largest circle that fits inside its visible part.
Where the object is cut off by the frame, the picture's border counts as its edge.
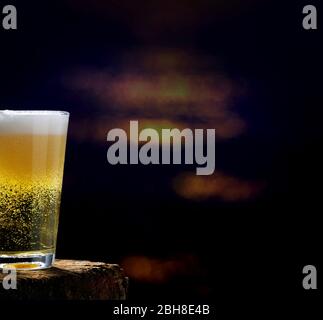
(32, 153)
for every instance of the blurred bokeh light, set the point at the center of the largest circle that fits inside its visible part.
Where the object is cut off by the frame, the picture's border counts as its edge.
(159, 87)
(217, 186)
(153, 270)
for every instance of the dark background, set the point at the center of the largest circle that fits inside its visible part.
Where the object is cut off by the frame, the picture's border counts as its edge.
(246, 68)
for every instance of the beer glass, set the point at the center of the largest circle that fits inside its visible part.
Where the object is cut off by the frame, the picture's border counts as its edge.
(32, 152)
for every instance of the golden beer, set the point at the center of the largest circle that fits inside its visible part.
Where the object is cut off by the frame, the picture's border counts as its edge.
(32, 152)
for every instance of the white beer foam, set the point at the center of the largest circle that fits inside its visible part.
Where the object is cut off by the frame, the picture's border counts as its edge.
(33, 122)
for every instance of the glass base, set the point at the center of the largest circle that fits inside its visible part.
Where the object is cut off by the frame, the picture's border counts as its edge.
(26, 261)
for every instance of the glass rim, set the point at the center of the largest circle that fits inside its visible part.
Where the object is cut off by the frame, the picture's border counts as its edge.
(35, 112)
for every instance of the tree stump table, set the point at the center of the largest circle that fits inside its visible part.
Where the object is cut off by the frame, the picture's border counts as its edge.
(69, 280)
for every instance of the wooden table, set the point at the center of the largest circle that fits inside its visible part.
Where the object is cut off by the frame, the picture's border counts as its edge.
(69, 280)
